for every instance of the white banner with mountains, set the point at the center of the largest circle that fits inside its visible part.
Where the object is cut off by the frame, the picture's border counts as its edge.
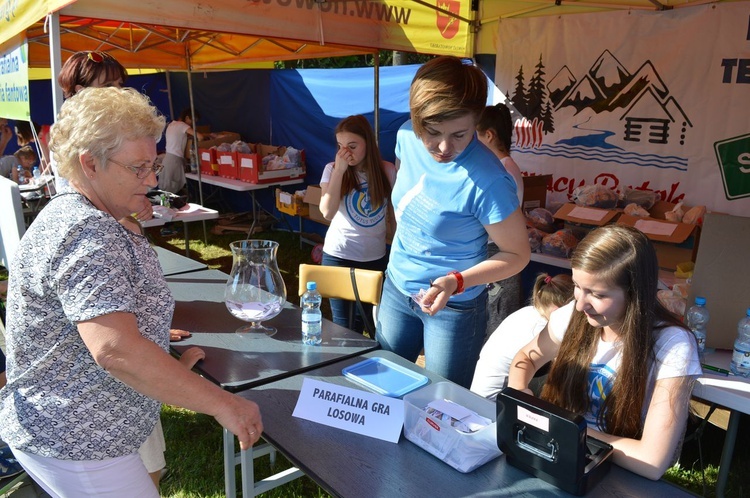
(644, 100)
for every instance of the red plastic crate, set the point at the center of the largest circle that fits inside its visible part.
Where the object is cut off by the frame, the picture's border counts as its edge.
(209, 165)
(227, 164)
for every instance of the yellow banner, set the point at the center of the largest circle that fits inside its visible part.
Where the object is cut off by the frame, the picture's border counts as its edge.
(17, 15)
(433, 26)
(14, 83)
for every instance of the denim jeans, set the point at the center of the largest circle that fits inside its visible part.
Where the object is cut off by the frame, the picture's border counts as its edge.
(451, 339)
(342, 309)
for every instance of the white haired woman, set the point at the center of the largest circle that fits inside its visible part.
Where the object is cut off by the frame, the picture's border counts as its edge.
(89, 313)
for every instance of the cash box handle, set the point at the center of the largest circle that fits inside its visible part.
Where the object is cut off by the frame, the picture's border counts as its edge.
(531, 448)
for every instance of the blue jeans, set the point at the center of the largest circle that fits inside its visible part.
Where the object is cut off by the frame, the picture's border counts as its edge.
(342, 309)
(451, 339)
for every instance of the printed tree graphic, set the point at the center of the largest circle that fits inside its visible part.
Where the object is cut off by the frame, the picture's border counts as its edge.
(535, 96)
(519, 99)
(534, 103)
(548, 119)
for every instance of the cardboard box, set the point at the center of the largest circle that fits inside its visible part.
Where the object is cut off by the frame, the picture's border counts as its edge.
(535, 192)
(221, 138)
(291, 203)
(209, 163)
(581, 220)
(227, 164)
(721, 276)
(312, 197)
(675, 243)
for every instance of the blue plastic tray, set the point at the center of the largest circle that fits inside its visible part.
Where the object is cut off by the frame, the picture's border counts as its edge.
(385, 377)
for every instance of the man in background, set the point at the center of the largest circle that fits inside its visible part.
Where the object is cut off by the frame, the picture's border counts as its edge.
(172, 177)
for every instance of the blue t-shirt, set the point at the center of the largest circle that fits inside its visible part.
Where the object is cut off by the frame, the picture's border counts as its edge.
(441, 210)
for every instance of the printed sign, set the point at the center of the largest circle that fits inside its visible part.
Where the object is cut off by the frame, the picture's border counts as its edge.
(350, 409)
(14, 83)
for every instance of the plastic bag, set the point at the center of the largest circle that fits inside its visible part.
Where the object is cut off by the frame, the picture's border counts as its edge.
(672, 301)
(635, 210)
(675, 214)
(694, 215)
(644, 198)
(541, 219)
(535, 239)
(560, 244)
(595, 196)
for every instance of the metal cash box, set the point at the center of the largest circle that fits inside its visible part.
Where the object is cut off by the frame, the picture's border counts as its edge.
(549, 442)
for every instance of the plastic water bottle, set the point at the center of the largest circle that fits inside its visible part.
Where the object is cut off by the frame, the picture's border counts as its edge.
(312, 318)
(36, 173)
(21, 175)
(697, 319)
(741, 355)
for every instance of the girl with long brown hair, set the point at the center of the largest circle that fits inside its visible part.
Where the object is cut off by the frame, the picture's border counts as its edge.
(355, 193)
(620, 358)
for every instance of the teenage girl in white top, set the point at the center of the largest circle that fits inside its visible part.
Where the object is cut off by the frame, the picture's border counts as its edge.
(355, 193)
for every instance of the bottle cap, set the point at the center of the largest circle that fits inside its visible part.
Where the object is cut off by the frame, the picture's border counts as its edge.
(312, 286)
(700, 301)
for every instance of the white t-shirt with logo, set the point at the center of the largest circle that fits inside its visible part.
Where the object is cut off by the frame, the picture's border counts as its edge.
(675, 351)
(357, 230)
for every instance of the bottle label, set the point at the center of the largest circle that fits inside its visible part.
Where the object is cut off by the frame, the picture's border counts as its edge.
(741, 358)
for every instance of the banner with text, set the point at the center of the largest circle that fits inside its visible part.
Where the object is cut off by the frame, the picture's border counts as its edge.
(14, 83)
(644, 100)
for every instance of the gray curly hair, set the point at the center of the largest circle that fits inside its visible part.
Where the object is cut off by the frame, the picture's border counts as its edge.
(98, 121)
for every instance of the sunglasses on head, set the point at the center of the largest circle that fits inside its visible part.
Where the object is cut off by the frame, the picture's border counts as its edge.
(97, 57)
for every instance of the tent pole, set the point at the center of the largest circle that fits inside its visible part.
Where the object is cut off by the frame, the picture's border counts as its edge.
(376, 60)
(169, 95)
(194, 152)
(55, 49)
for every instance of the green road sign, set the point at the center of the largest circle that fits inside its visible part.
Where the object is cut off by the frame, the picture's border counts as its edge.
(733, 155)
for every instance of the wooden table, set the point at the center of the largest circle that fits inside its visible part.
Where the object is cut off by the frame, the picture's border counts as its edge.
(236, 363)
(351, 465)
(729, 391)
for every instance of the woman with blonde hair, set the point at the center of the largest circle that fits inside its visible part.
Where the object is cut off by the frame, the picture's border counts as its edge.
(620, 358)
(88, 315)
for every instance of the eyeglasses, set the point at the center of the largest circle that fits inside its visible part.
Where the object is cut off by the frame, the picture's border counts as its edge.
(141, 171)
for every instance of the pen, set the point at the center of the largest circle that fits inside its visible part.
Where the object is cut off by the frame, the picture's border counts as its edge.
(718, 370)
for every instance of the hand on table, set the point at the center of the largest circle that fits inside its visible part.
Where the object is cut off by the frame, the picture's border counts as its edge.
(242, 418)
(192, 356)
(176, 335)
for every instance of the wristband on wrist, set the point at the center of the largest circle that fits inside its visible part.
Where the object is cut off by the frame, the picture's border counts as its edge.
(459, 281)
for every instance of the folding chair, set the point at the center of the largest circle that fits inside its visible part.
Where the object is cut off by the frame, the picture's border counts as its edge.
(351, 284)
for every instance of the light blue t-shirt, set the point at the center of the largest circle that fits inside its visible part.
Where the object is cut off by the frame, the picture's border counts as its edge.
(441, 210)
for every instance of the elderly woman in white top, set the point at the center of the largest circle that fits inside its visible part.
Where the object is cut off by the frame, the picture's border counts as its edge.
(89, 314)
